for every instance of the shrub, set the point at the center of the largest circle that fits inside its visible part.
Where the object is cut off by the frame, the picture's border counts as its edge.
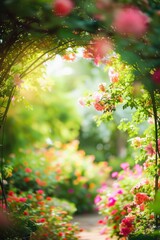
(51, 216)
(62, 171)
(126, 205)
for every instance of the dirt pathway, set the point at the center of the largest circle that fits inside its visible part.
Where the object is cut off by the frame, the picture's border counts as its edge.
(89, 222)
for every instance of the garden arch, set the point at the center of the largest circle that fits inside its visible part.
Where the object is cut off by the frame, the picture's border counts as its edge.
(31, 37)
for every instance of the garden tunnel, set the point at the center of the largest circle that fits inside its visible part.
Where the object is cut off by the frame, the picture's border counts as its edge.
(33, 33)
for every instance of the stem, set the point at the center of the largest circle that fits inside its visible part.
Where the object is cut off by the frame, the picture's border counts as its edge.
(156, 150)
(14, 60)
(42, 55)
(4, 200)
(48, 58)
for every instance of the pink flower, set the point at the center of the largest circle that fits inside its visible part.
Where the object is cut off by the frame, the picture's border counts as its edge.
(124, 165)
(97, 199)
(138, 169)
(114, 175)
(22, 199)
(17, 80)
(150, 120)
(156, 76)
(71, 190)
(103, 188)
(40, 191)
(111, 201)
(98, 49)
(131, 21)
(81, 102)
(101, 47)
(150, 150)
(103, 231)
(101, 222)
(97, 97)
(120, 191)
(114, 212)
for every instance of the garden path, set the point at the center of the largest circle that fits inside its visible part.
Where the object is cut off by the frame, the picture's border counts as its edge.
(90, 226)
(89, 223)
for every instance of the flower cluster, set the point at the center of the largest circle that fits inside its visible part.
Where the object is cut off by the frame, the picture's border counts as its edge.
(125, 205)
(61, 171)
(52, 216)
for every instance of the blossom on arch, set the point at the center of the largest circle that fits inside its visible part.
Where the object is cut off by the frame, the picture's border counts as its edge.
(131, 21)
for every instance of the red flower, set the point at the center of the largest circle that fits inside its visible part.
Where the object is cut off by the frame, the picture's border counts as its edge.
(61, 234)
(28, 170)
(29, 196)
(126, 226)
(25, 213)
(98, 107)
(11, 193)
(141, 198)
(63, 8)
(156, 76)
(41, 220)
(48, 198)
(26, 179)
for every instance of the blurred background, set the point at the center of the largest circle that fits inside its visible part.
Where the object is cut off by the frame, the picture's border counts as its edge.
(48, 110)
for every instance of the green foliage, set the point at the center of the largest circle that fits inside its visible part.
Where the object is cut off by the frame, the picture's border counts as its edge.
(16, 226)
(41, 114)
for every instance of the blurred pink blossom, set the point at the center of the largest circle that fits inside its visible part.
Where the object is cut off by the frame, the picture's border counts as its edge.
(120, 191)
(97, 97)
(97, 199)
(114, 175)
(131, 21)
(150, 120)
(103, 230)
(111, 201)
(81, 102)
(124, 165)
(150, 150)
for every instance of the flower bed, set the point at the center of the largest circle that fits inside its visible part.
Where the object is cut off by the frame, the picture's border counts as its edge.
(39, 216)
(62, 171)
